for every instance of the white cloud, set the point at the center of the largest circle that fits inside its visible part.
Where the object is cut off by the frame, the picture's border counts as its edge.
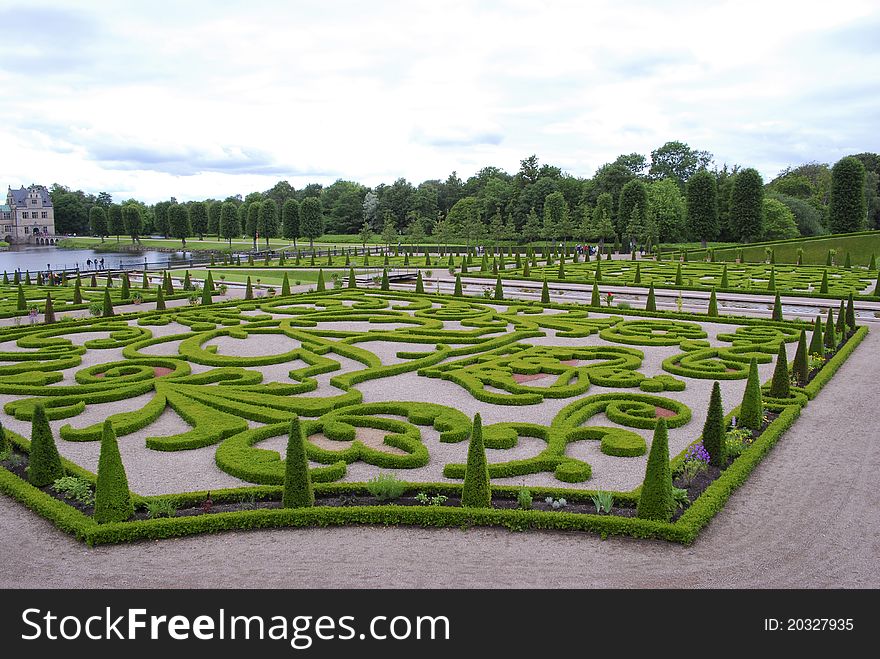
(209, 99)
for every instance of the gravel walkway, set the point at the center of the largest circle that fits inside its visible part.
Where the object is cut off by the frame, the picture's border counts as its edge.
(806, 518)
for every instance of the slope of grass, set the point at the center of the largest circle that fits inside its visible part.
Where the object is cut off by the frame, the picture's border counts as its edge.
(859, 245)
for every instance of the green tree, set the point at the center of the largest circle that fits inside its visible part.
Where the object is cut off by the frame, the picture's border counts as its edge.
(847, 210)
(198, 218)
(115, 225)
(751, 411)
(311, 219)
(108, 304)
(160, 217)
(779, 222)
(112, 497)
(252, 221)
(557, 219)
(268, 222)
(290, 220)
(229, 224)
(178, 223)
(677, 161)
(389, 230)
(476, 491)
(746, 206)
(800, 367)
(780, 386)
(633, 197)
(98, 222)
(215, 210)
(133, 221)
(532, 229)
(666, 210)
(817, 343)
(298, 491)
(655, 498)
(702, 207)
(366, 233)
(44, 461)
(714, 431)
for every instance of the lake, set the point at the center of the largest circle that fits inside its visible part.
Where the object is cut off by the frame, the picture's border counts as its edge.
(26, 257)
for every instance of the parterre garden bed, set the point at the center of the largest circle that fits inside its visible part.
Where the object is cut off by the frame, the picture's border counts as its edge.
(386, 384)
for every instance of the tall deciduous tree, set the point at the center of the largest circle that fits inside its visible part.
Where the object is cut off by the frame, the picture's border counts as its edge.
(252, 221)
(268, 223)
(133, 221)
(746, 206)
(702, 207)
(229, 224)
(557, 219)
(290, 220)
(178, 223)
(676, 160)
(847, 209)
(115, 225)
(311, 219)
(779, 221)
(633, 197)
(666, 210)
(215, 209)
(198, 218)
(98, 221)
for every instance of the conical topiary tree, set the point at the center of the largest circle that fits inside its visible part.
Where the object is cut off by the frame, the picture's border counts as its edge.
(499, 291)
(817, 343)
(209, 282)
(77, 292)
(125, 294)
(285, 285)
(206, 295)
(751, 411)
(352, 280)
(823, 287)
(561, 273)
(476, 492)
(545, 293)
(780, 386)
(848, 262)
(597, 276)
(297, 481)
(321, 285)
(777, 308)
(420, 285)
(187, 282)
(724, 281)
(385, 286)
(651, 304)
(249, 290)
(145, 280)
(877, 287)
(713, 303)
(872, 265)
(655, 499)
(638, 278)
(94, 282)
(714, 431)
(458, 291)
(108, 304)
(840, 327)
(678, 279)
(595, 301)
(112, 497)
(850, 312)
(801, 365)
(169, 283)
(21, 304)
(771, 283)
(830, 334)
(527, 270)
(44, 465)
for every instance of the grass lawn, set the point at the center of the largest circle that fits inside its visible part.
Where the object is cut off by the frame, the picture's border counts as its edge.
(270, 277)
(859, 245)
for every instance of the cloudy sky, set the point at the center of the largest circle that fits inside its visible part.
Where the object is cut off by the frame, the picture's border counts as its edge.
(207, 99)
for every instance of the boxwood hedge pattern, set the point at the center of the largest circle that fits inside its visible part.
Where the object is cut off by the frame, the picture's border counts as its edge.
(482, 348)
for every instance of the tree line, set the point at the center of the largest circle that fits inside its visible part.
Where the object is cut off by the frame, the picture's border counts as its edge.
(675, 195)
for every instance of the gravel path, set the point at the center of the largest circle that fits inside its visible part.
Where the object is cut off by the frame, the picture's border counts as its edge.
(806, 518)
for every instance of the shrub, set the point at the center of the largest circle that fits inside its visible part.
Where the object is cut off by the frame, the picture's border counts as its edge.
(476, 493)
(49, 312)
(420, 285)
(594, 297)
(830, 333)
(112, 496)
(45, 464)
(5, 445)
(386, 487)
(458, 291)
(249, 290)
(297, 482)
(850, 312)
(780, 387)
(651, 304)
(736, 440)
(499, 291)
(108, 304)
(800, 368)
(713, 429)
(751, 411)
(160, 299)
(655, 499)
(777, 308)
(321, 285)
(524, 499)
(78, 489)
(713, 304)
(385, 286)
(157, 508)
(545, 293)
(817, 345)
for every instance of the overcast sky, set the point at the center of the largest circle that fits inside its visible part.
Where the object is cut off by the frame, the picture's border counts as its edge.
(207, 99)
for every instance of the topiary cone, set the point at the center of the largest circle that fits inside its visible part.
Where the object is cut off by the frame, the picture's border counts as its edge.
(651, 304)
(320, 286)
(285, 285)
(823, 287)
(713, 304)
(297, 480)
(420, 285)
(714, 432)
(160, 299)
(655, 499)
(77, 292)
(248, 290)
(801, 365)
(595, 301)
(112, 497)
(44, 465)
(751, 411)
(352, 280)
(49, 311)
(817, 343)
(458, 292)
(850, 312)
(499, 291)
(777, 308)
(385, 285)
(108, 304)
(21, 303)
(545, 293)
(830, 334)
(780, 386)
(476, 492)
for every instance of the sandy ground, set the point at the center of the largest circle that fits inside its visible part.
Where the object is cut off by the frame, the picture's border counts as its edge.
(806, 518)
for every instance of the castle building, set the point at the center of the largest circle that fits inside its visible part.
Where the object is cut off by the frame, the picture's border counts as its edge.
(28, 216)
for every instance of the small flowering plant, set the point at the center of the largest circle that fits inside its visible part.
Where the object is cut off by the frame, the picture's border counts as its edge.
(609, 298)
(696, 461)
